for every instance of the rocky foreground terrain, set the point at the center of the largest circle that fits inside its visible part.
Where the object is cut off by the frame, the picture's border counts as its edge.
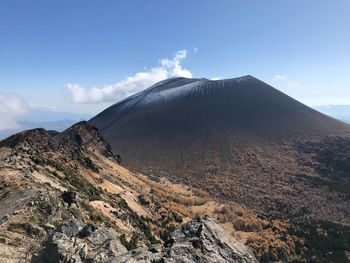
(200, 240)
(65, 197)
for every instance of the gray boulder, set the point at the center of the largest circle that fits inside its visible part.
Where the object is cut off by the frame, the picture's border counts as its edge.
(75, 242)
(200, 240)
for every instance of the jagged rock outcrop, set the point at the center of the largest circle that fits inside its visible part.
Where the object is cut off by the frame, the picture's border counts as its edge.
(69, 197)
(74, 143)
(75, 242)
(200, 240)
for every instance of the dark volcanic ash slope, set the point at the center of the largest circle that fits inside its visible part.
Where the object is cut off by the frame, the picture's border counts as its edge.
(239, 140)
(180, 123)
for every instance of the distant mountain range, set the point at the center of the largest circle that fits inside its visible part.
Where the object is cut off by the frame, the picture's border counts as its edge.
(49, 120)
(340, 112)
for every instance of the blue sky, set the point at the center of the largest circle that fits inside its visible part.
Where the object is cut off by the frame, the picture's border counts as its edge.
(53, 52)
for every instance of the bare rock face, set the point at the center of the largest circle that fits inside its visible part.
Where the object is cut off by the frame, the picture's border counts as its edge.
(75, 242)
(200, 240)
(74, 143)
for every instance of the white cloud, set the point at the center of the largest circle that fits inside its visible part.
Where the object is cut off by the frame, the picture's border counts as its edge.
(195, 49)
(130, 85)
(12, 107)
(279, 77)
(174, 67)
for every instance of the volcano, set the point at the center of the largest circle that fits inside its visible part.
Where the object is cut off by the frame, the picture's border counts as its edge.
(183, 123)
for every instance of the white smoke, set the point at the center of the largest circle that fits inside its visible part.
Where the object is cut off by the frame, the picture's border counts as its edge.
(114, 92)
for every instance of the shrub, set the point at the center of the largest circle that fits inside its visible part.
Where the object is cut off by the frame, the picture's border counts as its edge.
(132, 244)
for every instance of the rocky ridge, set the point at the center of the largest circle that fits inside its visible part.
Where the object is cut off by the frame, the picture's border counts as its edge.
(200, 240)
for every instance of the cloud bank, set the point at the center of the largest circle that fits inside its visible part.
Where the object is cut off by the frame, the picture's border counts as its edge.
(12, 108)
(130, 85)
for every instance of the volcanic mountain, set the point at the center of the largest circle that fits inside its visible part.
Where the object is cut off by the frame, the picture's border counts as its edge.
(239, 140)
(180, 123)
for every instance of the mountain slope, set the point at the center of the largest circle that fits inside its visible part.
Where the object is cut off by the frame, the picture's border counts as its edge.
(184, 122)
(238, 139)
